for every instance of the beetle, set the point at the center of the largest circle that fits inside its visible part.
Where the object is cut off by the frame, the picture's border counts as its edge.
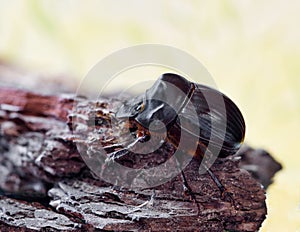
(180, 106)
(150, 107)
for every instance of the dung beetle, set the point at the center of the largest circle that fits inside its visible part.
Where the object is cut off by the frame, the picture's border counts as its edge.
(152, 106)
(173, 99)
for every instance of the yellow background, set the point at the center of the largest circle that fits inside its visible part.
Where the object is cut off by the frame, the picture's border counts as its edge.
(251, 48)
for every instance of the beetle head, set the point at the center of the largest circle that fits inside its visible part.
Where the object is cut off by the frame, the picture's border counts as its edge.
(164, 100)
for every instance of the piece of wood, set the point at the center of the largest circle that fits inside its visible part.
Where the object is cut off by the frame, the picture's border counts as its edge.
(259, 163)
(40, 162)
(17, 215)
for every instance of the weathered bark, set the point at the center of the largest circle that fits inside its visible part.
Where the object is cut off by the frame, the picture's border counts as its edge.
(44, 179)
(259, 163)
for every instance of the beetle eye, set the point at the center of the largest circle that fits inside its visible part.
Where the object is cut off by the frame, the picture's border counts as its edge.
(140, 108)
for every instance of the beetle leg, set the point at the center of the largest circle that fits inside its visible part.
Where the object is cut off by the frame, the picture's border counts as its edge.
(216, 180)
(224, 193)
(199, 155)
(124, 151)
(117, 154)
(188, 189)
(112, 147)
(201, 151)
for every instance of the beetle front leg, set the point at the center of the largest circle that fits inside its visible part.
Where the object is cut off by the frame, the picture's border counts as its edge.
(125, 151)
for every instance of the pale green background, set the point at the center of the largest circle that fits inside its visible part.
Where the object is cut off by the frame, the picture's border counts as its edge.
(252, 49)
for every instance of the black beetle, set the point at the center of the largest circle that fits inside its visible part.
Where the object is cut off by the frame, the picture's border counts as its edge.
(152, 106)
(170, 100)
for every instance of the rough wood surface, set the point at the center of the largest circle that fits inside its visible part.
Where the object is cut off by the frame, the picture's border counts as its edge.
(259, 163)
(45, 185)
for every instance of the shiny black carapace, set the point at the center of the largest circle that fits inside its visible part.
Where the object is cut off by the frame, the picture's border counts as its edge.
(181, 106)
(172, 97)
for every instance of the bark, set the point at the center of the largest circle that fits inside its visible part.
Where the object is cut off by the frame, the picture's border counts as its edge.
(45, 185)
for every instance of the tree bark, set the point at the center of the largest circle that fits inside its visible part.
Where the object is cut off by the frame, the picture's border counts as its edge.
(45, 185)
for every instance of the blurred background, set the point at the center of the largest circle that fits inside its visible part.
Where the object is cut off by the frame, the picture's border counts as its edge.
(251, 48)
